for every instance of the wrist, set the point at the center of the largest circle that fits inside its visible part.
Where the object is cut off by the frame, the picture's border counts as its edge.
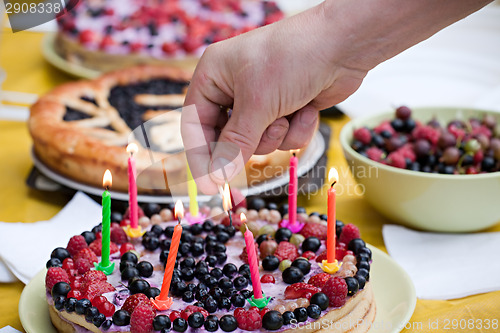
(363, 33)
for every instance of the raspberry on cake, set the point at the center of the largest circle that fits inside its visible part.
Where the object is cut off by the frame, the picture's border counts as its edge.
(141, 319)
(75, 244)
(319, 280)
(349, 232)
(55, 275)
(335, 289)
(211, 284)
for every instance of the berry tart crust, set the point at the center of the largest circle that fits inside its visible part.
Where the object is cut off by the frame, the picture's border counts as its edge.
(76, 53)
(83, 148)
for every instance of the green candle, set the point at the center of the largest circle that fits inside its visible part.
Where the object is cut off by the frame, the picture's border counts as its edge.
(106, 223)
(105, 265)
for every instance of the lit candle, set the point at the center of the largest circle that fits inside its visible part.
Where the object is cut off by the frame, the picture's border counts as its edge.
(162, 301)
(330, 236)
(330, 265)
(292, 190)
(105, 265)
(252, 260)
(132, 186)
(192, 192)
(226, 202)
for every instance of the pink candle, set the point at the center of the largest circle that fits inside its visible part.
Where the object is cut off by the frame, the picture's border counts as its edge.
(292, 190)
(253, 263)
(132, 186)
(333, 177)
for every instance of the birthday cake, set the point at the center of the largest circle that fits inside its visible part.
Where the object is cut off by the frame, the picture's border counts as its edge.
(105, 35)
(82, 128)
(215, 283)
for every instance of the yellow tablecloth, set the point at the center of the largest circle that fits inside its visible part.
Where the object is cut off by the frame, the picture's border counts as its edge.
(21, 57)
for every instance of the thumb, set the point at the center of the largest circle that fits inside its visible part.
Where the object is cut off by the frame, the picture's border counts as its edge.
(237, 142)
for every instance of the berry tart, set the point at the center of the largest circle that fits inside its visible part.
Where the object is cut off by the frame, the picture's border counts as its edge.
(211, 282)
(82, 128)
(105, 35)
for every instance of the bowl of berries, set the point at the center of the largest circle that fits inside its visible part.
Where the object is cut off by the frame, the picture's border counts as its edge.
(433, 168)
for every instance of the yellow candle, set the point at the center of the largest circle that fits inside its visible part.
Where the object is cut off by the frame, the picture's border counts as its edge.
(192, 192)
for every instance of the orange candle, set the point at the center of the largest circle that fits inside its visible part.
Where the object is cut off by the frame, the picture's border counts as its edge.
(330, 237)
(172, 255)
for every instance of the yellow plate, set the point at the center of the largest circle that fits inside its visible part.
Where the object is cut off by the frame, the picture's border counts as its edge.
(59, 62)
(394, 295)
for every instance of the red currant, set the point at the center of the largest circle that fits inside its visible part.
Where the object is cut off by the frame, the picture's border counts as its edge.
(106, 308)
(98, 300)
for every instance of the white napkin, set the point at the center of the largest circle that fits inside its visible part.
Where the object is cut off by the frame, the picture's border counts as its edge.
(9, 329)
(446, 266)
(26, 247)
(13, 112)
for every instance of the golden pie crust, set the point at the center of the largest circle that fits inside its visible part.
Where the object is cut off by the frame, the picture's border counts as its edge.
(82, 150)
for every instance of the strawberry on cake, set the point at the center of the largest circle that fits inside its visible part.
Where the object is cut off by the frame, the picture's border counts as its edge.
(110, 34)
(211, 283)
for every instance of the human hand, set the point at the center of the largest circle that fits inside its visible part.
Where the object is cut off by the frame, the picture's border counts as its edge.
(275, 79)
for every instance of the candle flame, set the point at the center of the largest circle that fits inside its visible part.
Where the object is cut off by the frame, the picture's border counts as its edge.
(333, 176)
(226, 198)
(243, 218)
(221, 191)
(107, 180)
(132, 148)
(179, 210)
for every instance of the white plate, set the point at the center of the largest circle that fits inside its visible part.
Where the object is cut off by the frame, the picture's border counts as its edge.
(307, 161)
(394, 296)
(455, 67)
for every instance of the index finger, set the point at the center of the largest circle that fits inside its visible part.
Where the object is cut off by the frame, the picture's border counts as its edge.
(199, 120)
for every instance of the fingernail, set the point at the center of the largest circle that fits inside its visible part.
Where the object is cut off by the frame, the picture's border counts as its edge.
(308, 116)
(276, 132)
(222, 170)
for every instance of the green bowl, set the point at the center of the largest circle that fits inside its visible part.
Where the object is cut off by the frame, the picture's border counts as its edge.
(433, 202)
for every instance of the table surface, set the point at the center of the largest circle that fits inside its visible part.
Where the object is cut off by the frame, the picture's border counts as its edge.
(27, 71)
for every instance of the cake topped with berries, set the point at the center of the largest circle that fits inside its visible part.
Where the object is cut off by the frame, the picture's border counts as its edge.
(108, 34)
(211, 282)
